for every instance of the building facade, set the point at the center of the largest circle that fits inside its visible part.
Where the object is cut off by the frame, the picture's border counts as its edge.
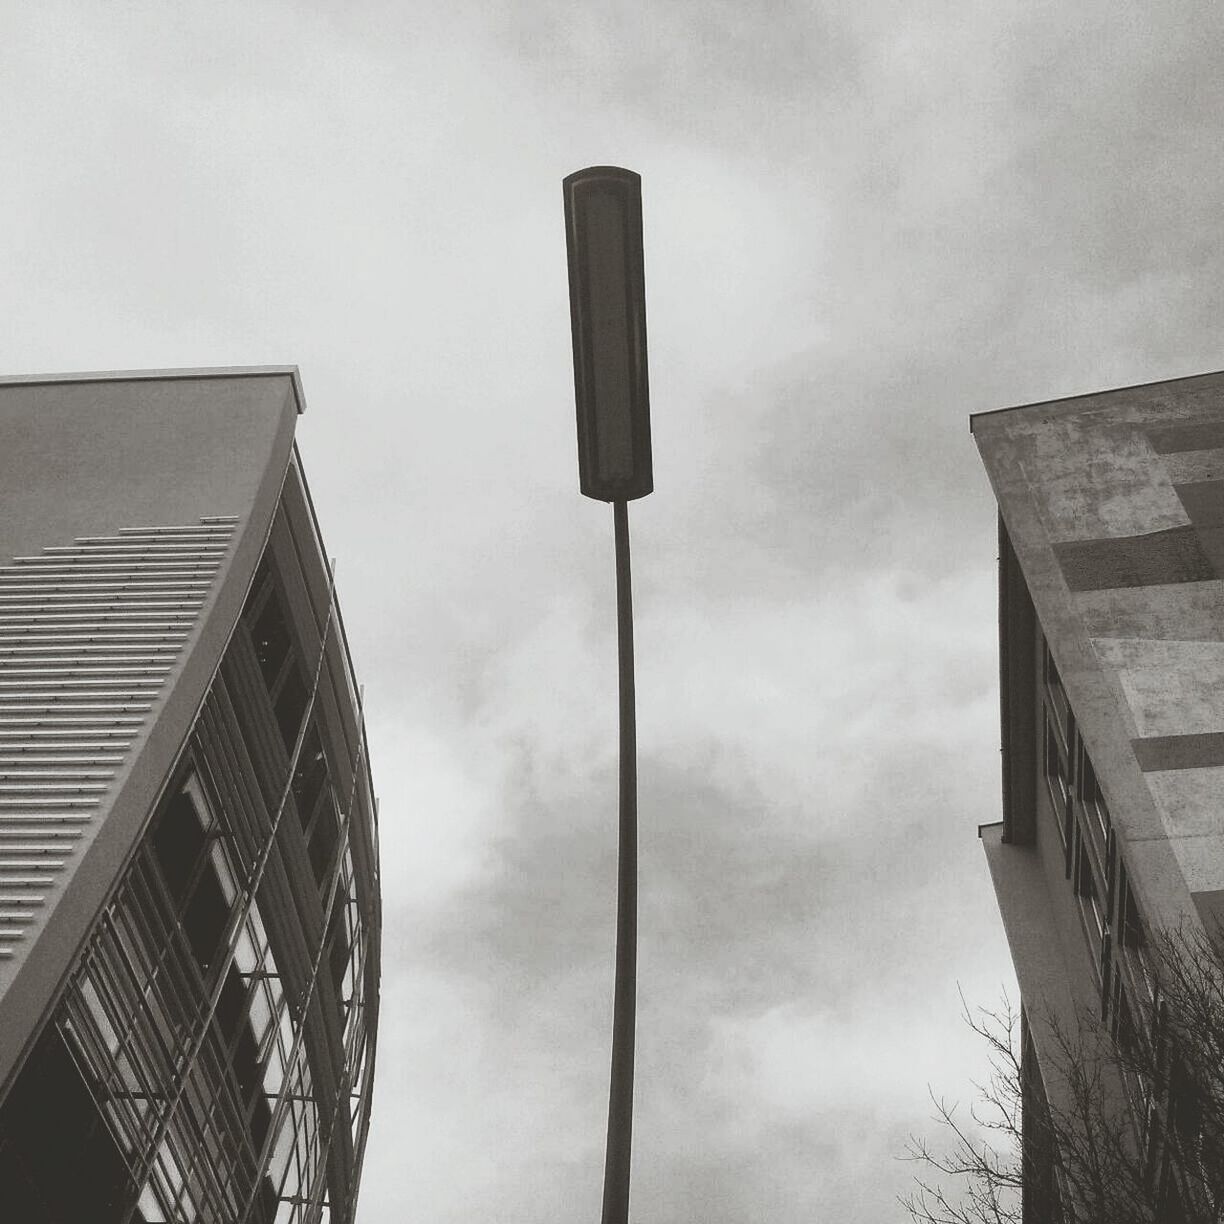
(189, 894)
(1111, 617)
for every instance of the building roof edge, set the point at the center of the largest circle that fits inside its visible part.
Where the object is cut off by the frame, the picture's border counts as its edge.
(1086, 395)
(89, 376)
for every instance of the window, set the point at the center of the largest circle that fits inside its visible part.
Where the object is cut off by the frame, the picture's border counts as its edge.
(290, 706)
(1056, 698)
(179, 841)
(324, 838)
(49, 1122)
(269, 632)
(1093, 861)
(135, 1007)
(310, 777)
(198, 885)
(1088, 889)
(1088, 792)
(279, 662)
(1058, 780)
(1132, 941)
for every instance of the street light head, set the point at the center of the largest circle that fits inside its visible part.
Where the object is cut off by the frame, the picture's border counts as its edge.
(607, 284)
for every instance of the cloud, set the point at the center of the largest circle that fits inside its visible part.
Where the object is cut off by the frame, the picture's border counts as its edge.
(863, 222)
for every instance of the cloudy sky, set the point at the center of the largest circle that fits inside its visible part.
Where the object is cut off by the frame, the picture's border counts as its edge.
(864, 220)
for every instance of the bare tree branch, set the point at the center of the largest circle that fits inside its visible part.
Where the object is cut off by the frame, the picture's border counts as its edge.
(1134, 1133)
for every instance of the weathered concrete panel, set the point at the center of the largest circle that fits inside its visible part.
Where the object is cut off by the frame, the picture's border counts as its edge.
(1180, 611)
(1172, 688)
(1186, 467)
(1179, 752)
(1212, 541)
(1100, 480)
(1201, 860)
(1203, 435)
(1210, 906)
(1191, 801)
(1204, 501)
(1170, 556)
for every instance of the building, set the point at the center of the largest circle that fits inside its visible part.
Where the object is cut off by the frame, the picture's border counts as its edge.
(189, 898)
(1111, 622)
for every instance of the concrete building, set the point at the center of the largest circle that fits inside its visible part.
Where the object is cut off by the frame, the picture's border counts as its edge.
(189, 900)
(1111, 618)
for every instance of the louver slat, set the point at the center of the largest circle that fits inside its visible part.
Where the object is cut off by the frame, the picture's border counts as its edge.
(89, 633)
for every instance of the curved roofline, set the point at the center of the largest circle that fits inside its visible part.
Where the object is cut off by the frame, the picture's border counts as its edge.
(96, 376)
(1083, 395)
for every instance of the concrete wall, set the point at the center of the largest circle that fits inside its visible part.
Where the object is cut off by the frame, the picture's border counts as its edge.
(1115, 506)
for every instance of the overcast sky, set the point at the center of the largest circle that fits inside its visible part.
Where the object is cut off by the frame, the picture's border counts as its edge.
(864, 219)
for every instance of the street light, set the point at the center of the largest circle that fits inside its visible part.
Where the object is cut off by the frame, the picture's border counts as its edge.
(603, 238)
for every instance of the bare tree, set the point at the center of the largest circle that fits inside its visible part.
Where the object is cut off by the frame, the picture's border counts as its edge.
(1131, 1132)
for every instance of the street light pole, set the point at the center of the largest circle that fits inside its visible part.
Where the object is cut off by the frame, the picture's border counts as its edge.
(603, 233)
(624, 1005)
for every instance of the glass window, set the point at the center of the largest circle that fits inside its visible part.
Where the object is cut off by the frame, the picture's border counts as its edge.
(246, 956)
(290, 706)
(225, 877)
(338, 940)
(260, 586)
(270, 637)
(310, 777)
(178, 841)
(261, 1013)
(99, 1015)
(149, 1208)
(1058, 781)
(1090, 796)
(1088, 889)
(1056, 698)
(1132, 939)
(282, 1169)
(266, 1207)
(324, 838)
(48, 1116)
(169, 1175)
(204, 920)
(171, 1142)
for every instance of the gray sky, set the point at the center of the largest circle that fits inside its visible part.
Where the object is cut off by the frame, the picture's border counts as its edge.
(863, 221)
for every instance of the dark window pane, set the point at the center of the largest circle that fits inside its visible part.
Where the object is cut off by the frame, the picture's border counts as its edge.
(323, 842)
(204, 918)
(261, 1122)
(290, 706)
(1057, 775)
(262, 579)
(247, 1071)
(337, 941)
(1132, 927)
(1124, 1023)
(49, 1125)
(178, 841)
(231, 1006)
(310, 775)
(237, 1036)
(1057, 696)
(264, 1210)
(270, 637)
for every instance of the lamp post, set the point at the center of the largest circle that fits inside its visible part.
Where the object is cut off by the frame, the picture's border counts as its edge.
(603, 238)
